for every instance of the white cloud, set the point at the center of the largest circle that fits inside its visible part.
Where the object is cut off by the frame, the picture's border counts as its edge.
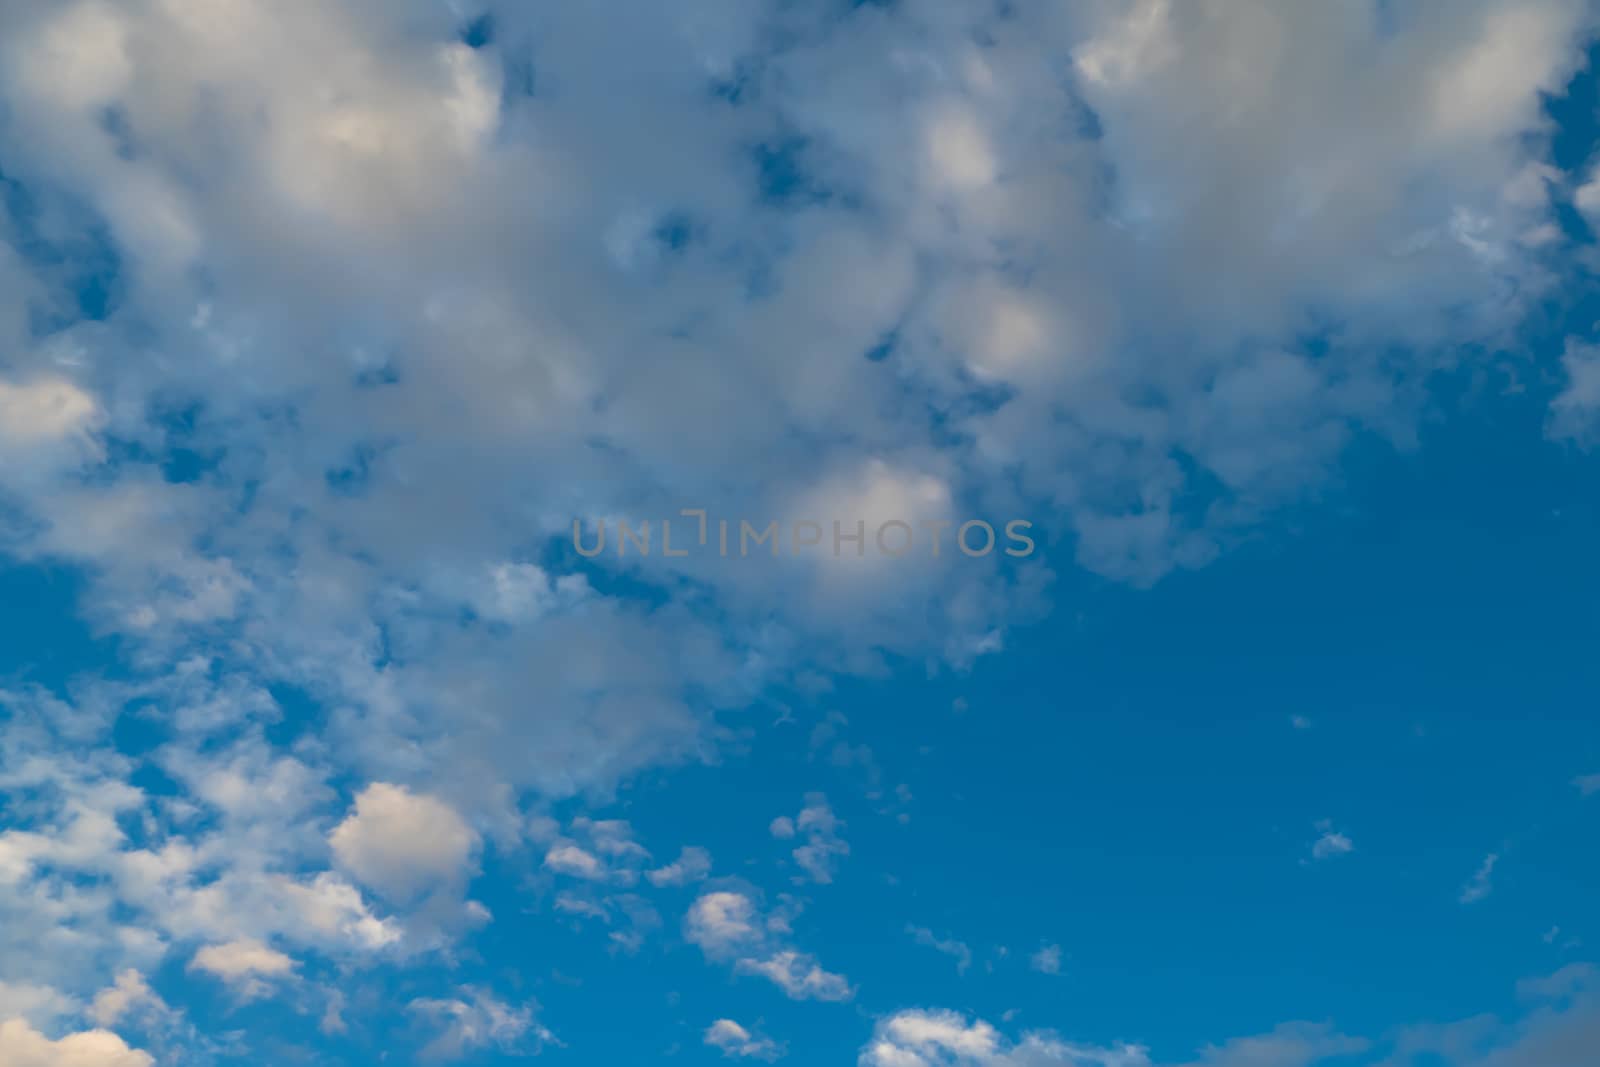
(243, 964)
(1480, 884)
(1575, 412)
(1330, 842)
(23, 1046)
(922, 1038)
(1047, 960)
(727, 925)
(823, 844)
(575, 862)
(1288, 1045)
(130, 993)
(476, 1019)
(37, 1004)
(390, 439)
(692, 865)
(722, 921)
(956, 950)
(402, 843)
(1587, 784)
(736, 1041)
(798, 975)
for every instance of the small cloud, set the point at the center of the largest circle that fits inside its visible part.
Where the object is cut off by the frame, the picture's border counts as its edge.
(571, 860)
(798, 975)
(1047, 960)
(723, 920)
(242, 965)
(736, 1041)
(692, 865)
(476, 1019)
(956, 950)
(823, 844)
(130, 993)
(1480, 886)
(1331, 843)
(1587, 784)
(1551, 935)
(1300, 722)
(403, 844)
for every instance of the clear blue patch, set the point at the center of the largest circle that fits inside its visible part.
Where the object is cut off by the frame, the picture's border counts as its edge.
(84, 264)
(782, 176)
(479, 33)
(114, 121)
(42, 639)
(884, 348)
(354, 478)
(675, 231)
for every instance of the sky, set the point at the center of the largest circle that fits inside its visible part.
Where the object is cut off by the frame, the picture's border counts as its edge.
(1119, 481)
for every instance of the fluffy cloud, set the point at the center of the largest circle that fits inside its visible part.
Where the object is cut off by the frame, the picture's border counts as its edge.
(1052, 260)
(727, 925)
(1330, 842)
(23, 1046)
(1575, 412)
(1558, 1030)
(722, 921)
(932, 1038)
(1481, 884)
(823, 843)
(692, 865)
(402, 843)
(798, 975)
(129, 993)
(476, 1019)
(956, 950)
(243, 965)
(735, 1041)
(920, 1038)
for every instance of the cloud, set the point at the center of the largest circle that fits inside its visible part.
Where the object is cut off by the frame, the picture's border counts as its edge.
(723, 921)
(957, 950)
(955, 300)
(571, 860)
(23, 1046)
(242, 964)
(692, 865)
(1480, 885)
(1330, 843)
(1047, 960)
(1587, 784)
(37, 1004)
(799, 975)
(823, 843)
(935, 1038)
(1575, 411)
(735, 1041)
(476, 1019)
(727, 925)
(1289, 1045)
(130, 993)
(403, 844)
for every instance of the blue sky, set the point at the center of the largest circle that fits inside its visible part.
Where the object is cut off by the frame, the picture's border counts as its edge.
(321, 742)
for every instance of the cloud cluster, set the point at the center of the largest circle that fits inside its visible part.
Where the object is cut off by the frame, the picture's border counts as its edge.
(320, 324)
(728, 926)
